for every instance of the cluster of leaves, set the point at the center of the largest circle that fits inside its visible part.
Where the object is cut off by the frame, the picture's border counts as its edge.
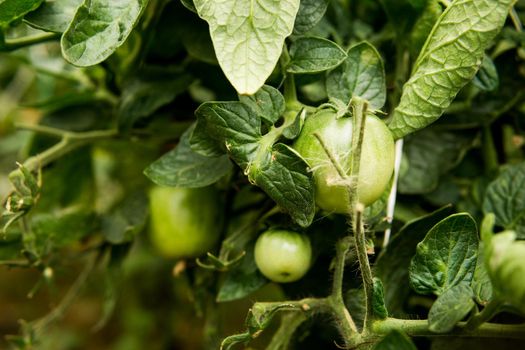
(119, 95)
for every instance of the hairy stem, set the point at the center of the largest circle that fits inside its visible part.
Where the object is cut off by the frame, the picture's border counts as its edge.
(360, 107)
(69, 142)
(419, 328)
(485, 315)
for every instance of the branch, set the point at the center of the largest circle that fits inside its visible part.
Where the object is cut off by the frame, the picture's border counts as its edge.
(15, 44)
(419, 328)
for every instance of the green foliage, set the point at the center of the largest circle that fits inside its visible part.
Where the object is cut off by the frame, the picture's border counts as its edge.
(362, 74)
(98, 29)
(505, 198)
(449, 59)
(450, 308)
(446, 257)
(248, 37)
(146, 146)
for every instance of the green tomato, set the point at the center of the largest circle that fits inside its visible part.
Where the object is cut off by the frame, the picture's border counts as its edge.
(283, 256)
(184, 222)
(376, 166)
(506, 265)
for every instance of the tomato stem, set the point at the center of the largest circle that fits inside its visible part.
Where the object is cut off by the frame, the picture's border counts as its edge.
(492, 308)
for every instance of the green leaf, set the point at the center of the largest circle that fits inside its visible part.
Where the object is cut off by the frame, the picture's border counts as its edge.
(423, 26)
(429, 154)
(446, 257)
(481, 284)
(53, 16)
(402, 14)
(242, 280)
(12, 10)
(487, 78)
(227, 126)
(309, 14)
(284, 176)
(183, 167)
(392, 264)
(235, 128)
(505, 197)
(378, 300)
(127, 219)
(98, 29)
(395, 340)
(144, 94)
(361, 74)
(314, 55)
(450, 308)
(448, 61)
(267, 102)
(58, 230)
(248, 37)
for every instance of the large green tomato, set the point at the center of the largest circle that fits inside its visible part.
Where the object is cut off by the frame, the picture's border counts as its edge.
(376, 166)
(283, 256)
(184, 222)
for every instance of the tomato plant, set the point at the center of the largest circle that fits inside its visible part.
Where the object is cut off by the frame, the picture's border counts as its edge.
(376, 165)
(283, 256)
(163, 161)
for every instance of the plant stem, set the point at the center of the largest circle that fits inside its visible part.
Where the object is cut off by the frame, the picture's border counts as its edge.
(360, 107)
(39, 326)
(15, 44)
(419, 328)
(345, 322)
(490, 155)
(485, 315)
(289, 324)
(290, 94)
(69, 142)
(515, 19)
(333, 160)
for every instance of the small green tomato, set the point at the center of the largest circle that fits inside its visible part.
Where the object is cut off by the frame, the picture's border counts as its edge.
(375, 169)
(283, 256)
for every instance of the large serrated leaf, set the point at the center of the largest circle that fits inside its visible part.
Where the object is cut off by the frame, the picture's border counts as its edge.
(446, 257)
(449, 59)
(450, 308)
(505, 197)
(182, 167)
(248, 37)
(284, 176)
(53, 16)
(98, 29)
(235, 128)
(361, 74)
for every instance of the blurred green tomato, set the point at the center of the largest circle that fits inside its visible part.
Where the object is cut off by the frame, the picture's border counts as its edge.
(184, 222)
(507, 268)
